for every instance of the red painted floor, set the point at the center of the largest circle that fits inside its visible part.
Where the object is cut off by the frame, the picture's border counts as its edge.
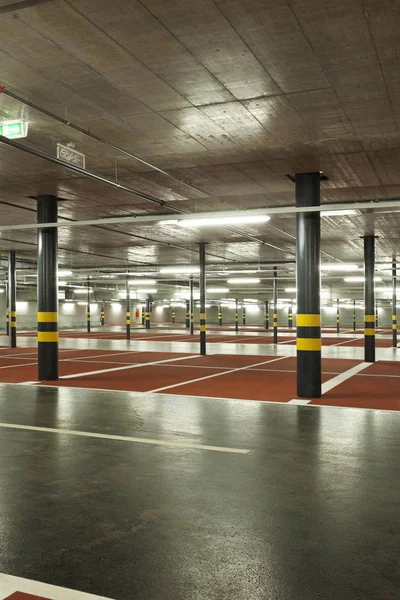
(264, 378)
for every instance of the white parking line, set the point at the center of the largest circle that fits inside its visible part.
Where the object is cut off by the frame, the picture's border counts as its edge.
(168, 387)
(332, 383)
(10, 585)
(124, 438)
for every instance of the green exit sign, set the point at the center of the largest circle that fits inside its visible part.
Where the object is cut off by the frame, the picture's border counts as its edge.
(14, 129)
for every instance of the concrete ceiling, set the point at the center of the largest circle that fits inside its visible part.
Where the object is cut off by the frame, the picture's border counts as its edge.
(229, 95)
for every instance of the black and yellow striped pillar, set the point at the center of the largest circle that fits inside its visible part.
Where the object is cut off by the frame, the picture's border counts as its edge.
(376, 314)
(7, 312)
(191, 307)
(290, 316)
(220, 315)
(88, 317)
(275, 303)
(244, 315)
(143, 316)
(187, 316)
(354, 316)
(308, 239)
(148, 313)
(394, 304)
(266, 314)
(236, 316)
(173, 317)
(369, 298)
(128, 311)
(102, 317)
(337, 316)
(47, 289)
(12, 292)
(202, 281)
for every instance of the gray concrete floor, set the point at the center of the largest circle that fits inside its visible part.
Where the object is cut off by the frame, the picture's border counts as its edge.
(310, 512)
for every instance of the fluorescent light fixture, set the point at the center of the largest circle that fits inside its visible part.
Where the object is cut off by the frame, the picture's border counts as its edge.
(290, 289)
(136, 273)
(142, 281)
(339, 213)
(81, 303)
(64, 273)
(217, 290)
(148, 291)
(243, 280)
(172, 270)
(339, 267)
(360, 279)
(240, 271)
(82, 291)
(2, 291)
(249, 300)
(213, 221)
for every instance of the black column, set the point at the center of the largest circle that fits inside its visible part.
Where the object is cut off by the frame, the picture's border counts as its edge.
(290, 316)
(88, 305)
(394, 306)
(244, 315)
(220, 315)
(128, 311)
(191, 306)
(187, 319)
(12, 293)
(143, 316)
(266, 315)
(148, 313)
(354, 316)
(173, 317)
(275, 302)
(7, 311)
(369, 298)
(376, 313)
(47, 290)
(236, 316)
(337, 316)
(308, 235)
(202, 299)
(102, 319)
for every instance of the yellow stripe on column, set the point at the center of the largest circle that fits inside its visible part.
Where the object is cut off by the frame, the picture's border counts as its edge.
(13, 313)
(308, 320)
(202, 315)
(369, 318)
(370, 331)
(311, 344)
(202, 327)
(47, 317)
(47, 336)
(394, 326)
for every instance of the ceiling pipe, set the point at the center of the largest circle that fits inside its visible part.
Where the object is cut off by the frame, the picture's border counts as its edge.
(268, 210)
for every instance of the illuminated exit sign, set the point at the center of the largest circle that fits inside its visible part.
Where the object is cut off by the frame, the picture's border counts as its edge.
(14, 129)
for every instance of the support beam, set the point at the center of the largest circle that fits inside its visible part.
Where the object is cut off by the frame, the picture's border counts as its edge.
(220, 315)
(148, 313)
(88, 305)
(354, 316)
(202, 299)
(337, 316)
(102, 315)
(128, 310)
(12, 293)
(369, 298)
(275, 302)
(394, 304)
(143, 316)
(243, 315)
(266, 314)
(308, 239)
(191, 307)
(47, 290)
(376, 314)
(187, 316)
(173, 317)
(236, 315)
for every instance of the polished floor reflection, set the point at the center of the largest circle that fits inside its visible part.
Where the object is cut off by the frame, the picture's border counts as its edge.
(173, 497)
